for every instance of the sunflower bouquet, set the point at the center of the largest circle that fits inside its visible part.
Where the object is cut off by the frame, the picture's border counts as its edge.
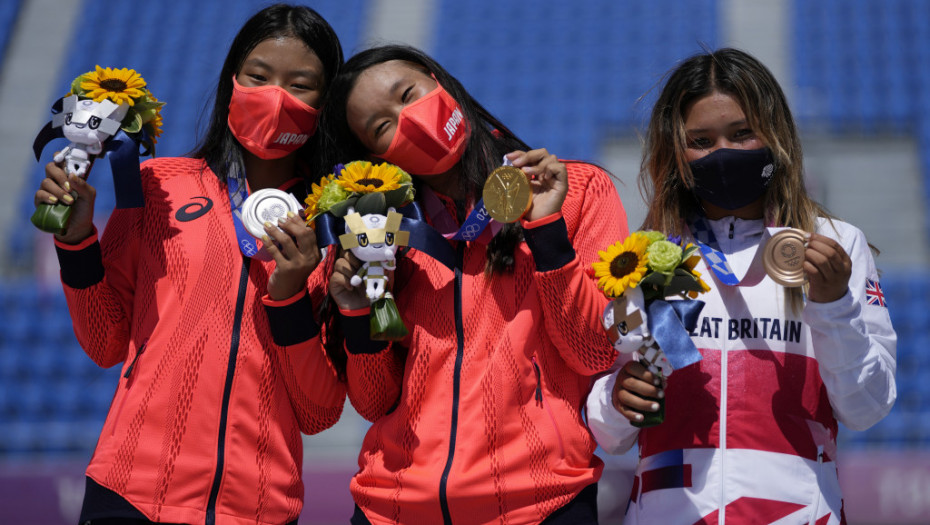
(99, 105)
(366, 196)
(639, 274)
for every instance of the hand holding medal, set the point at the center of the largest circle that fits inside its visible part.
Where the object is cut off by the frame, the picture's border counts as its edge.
(530, 185)
(783, 257)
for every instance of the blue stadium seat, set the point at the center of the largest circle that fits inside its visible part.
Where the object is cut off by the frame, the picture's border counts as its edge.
(582, 52)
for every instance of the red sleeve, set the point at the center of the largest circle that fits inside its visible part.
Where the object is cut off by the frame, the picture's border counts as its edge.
(375, 369)
(316, 394)
(572, 304)
(99, 285)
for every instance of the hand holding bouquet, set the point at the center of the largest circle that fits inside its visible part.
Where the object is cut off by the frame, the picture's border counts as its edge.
(639, 274)
(366, 197)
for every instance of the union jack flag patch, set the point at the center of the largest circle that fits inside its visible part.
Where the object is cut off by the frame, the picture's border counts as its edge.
(874, 293)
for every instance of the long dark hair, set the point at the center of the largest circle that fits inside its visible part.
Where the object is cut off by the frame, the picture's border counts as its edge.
(218, 147)
(490, 139)
(665, 176)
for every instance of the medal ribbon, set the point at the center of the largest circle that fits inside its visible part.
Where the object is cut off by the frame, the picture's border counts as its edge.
(716, 260)
(423, 237)
(249, 245)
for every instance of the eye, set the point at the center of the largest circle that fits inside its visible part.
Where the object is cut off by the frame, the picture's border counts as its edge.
(362, 240)
(405, 97)
(743, 134)
(381, 128)
(94, 122)
(699, 143)
(389, 239)
(68, 118)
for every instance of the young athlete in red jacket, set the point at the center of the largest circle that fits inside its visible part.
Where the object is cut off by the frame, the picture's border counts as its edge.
(477, 413)
(205, 425)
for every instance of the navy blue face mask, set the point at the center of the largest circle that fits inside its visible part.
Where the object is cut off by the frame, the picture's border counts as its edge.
(733, 178)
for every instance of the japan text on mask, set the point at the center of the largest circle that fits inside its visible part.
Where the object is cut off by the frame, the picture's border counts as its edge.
(268, 121)
(431, 135)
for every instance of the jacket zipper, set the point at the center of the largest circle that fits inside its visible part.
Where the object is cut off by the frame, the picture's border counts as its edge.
(547, 406)
(721, 520)
(456, 384)
(128, 377)
(227, 390)
(818, 494)
(133, 363)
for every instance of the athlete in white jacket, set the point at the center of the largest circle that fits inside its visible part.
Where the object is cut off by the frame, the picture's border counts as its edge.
(752, 426)
(749, 434)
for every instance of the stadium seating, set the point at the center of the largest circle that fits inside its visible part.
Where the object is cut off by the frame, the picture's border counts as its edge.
(853, 67)
(569, 65)
(54, 398)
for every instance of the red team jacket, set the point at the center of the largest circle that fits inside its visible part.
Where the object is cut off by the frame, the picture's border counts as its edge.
(207, 417)
(477, 415)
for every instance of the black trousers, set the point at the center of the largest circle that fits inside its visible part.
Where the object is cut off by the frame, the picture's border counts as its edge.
(581, 510)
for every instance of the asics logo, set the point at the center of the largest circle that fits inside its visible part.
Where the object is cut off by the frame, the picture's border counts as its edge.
(193, 210)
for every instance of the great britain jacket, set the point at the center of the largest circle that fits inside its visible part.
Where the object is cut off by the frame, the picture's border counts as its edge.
(205, 424)
(750, 431)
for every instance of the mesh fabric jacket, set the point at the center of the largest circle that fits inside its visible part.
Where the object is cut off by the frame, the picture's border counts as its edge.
(207, 417)
(477, 413)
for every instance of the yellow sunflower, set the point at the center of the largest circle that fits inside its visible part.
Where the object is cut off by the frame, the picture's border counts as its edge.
(365, 177)
(704, 287)
(622, 266)
(313, 199)
(692, 261)
(118, 85)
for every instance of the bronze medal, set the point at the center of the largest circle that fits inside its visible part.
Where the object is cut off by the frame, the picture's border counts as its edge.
(783, 258)
(507, 194)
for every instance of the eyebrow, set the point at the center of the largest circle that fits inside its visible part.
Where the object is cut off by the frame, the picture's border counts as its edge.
(735, 123)
(255, 61)
(375, 116)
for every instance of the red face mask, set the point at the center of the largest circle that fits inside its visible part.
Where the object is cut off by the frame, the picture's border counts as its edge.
(269, 121)
(431, 135)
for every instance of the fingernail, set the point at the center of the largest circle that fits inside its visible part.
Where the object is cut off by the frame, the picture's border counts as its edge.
(266, 239)
(291, 214)
(657, 381)
(67, 186)
(661, 394)
(268, 224)
(282, 220)
(654, 407)
(67, 198)
(52, 199)
(638, 417)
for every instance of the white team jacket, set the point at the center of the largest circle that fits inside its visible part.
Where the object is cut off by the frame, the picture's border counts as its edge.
(750, 431)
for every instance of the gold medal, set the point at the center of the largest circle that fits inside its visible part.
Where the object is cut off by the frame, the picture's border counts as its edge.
(507, 194)
(783, 258)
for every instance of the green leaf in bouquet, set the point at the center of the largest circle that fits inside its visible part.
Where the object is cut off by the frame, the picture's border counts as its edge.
(340, 209)
(398, 197)
(76, 84)
(653, 278)
(134, 125)
(371, 203)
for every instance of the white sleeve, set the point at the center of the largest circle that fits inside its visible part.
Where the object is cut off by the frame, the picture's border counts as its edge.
(854, 342)
(613, 432)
